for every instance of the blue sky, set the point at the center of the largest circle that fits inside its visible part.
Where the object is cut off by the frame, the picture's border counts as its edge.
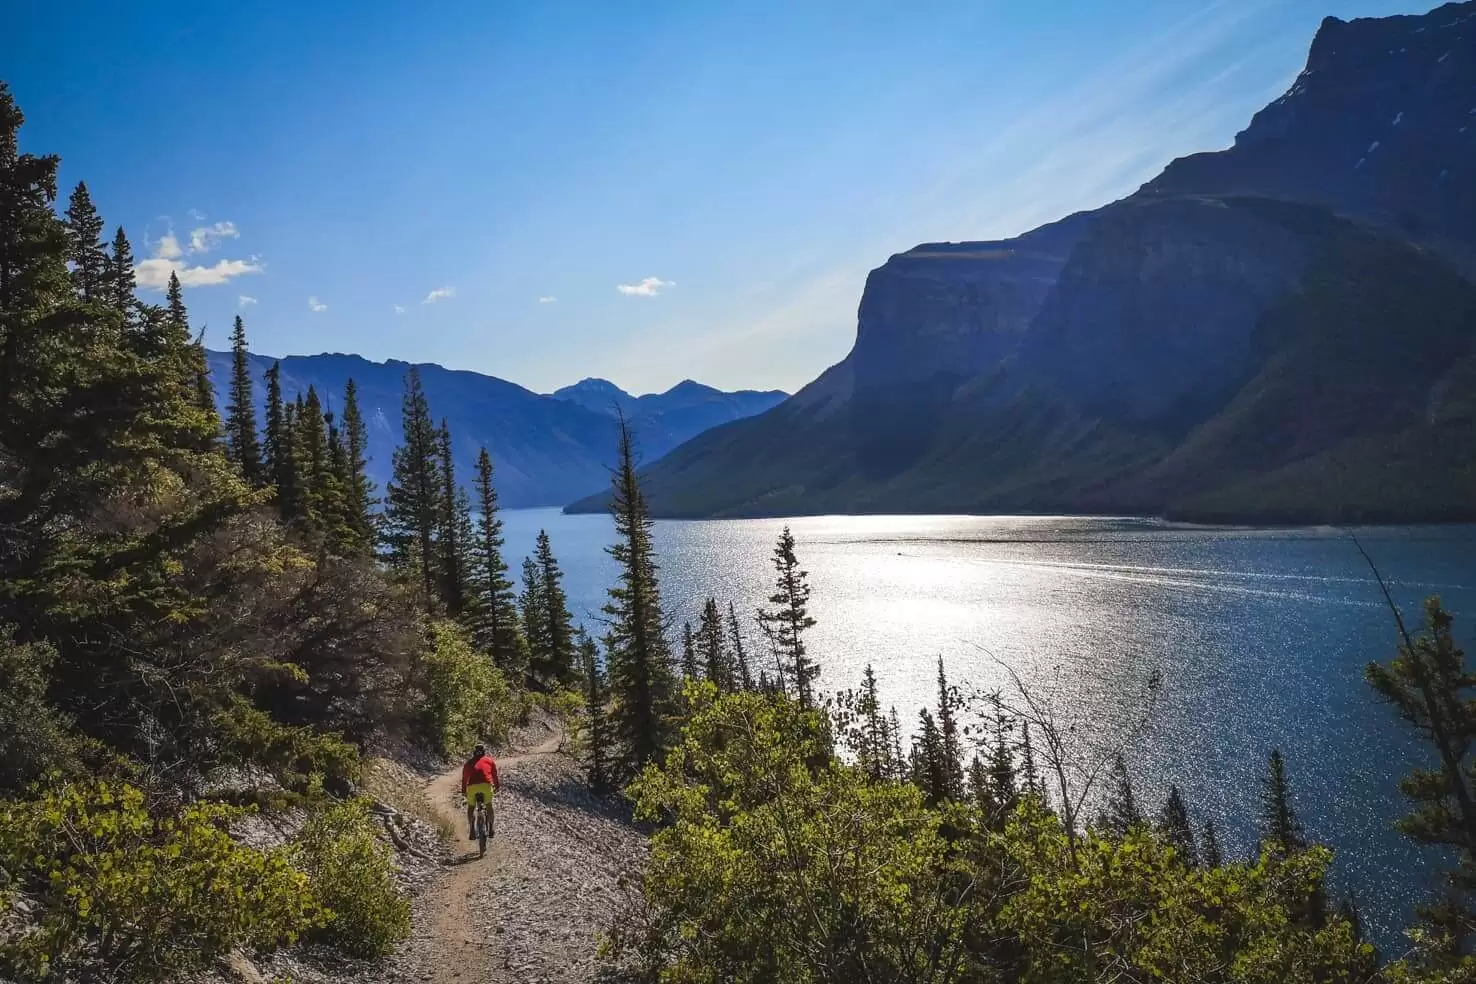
(642, 191)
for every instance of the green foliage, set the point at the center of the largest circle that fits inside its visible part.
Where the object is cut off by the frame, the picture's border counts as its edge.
(1121, 812)
(1281, 831)
(242, 443)
(140, 894)
(786, 623)
(351, 877)
(412, 497)
(34, 738)
(596, 721)
(467, 698)
(497, 629)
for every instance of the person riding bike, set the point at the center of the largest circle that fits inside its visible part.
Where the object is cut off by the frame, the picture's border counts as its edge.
(478, 775)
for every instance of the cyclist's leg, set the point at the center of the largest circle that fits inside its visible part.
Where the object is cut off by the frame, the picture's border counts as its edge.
(471, 821)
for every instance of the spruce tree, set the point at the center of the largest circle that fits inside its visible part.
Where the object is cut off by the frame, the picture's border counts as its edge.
(1210, 852)
(242, 444)
(119, 279)
(1030, 779)
(85, 248)
(559, 667)
(639, 660)
(1004, 783)
(894, 729)
(275, 445)
(1281, 831)
(358, 487)
(712, 651)
(453, 522)
(930, 771)
(1174, 828)
(740, 655)
(531, 607)
(597, 730)
(185, 356)
(1121, 813)
(786, 624)
(875, 752)
(412, 500)
(690, 671)
(499, 634)
(1434, 691)
(951, 749)
(291, 488)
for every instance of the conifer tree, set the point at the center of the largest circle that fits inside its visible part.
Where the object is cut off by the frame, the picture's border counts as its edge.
(740, 655)
(276, 448)
(786, 624)
(185, 357)
(499, 634)
(930, 771)
(412, 501)
(292, 489)
(950, 748)
(1210, 852)
(1174, 828)
(119, 274)
(1121, 813)
(1281, 831)
(639, 660)
(875, 752)
(1030, 779)
(531, 607)
(1004, 783)
(358, 487)
(894, 729)
(1434, 691)
(712, 652)
(85, 248)
(453, 529)
(597, 730)
(559, 658)
(242, 444)
(689, 654)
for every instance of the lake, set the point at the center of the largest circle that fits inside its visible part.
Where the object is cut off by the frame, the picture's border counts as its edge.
(1260, 636)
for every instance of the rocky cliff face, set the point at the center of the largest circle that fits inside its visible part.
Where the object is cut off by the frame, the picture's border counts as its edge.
(1258, 319)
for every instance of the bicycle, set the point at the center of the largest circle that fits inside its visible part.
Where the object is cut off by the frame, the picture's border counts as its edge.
(482, 823)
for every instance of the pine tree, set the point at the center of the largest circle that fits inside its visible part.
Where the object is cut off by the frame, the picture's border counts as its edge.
(950, 748)
(276, 447)
(1434, 691)
(242, 444)
(1004, 783)
(740, 655)
(786, 624)
(499, 634)
(1210, 852)
(690, 671)
(185, 357)
(930, 771)
(641, 682)
(712, 651)
(1281, 831)
(358, 487)
(85, 248)
(453, 530)
(875, 752)
(1173, 827)
(1029, 777)
(597, 730)
(535, 619)
(894, 730)
(1121, 813)
(119, 280)
(559, 658)
(291, 487)
(412, 501)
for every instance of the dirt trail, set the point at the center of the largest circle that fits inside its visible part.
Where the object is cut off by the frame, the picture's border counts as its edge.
(458, 948)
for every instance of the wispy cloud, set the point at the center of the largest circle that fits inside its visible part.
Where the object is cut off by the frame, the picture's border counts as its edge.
(206, 238)
(399, 309)
(439, 294)
(548, 300)
(649, 287)
(316, 306)
(244, 301)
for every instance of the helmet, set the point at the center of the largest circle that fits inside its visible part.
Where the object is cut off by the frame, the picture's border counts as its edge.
(479, 751)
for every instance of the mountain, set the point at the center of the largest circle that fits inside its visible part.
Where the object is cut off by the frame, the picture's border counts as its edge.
(664, 420)
(1282, 330)
(546, 449)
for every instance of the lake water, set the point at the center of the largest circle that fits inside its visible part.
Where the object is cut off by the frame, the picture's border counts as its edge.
(1260, 636)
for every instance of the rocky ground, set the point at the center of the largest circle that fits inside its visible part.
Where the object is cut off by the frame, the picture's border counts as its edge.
(532, 911)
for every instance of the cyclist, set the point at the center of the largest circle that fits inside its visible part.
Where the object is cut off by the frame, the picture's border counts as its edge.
(478, 775)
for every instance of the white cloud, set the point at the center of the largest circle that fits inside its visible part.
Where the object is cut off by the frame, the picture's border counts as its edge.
(245, 301)
(197, 215)
(167, 248)
(649, 287)
(399, 309)
(548, 300)
(154, 272)
(439, 294)
(316, 306)
(205, 238)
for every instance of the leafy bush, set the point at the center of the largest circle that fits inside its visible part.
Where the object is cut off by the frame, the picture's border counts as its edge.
(143, 894)
(467, 699)
(352, 879)
(34, 737)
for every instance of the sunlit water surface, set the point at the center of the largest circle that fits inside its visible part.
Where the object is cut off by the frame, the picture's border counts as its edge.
(1260, 637)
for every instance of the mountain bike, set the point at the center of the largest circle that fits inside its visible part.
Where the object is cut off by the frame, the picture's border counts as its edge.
(482, 823)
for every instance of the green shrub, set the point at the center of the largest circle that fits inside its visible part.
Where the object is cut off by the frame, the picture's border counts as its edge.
(352, 878)
(144, 894)
(467, 699)
(34, 737)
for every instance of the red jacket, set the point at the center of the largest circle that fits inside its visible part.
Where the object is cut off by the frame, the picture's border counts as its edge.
(483, 770)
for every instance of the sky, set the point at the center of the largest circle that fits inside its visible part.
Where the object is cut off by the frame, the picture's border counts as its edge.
(645, 192)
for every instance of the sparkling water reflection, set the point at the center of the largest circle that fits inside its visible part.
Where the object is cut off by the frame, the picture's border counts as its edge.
(1260, 636)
